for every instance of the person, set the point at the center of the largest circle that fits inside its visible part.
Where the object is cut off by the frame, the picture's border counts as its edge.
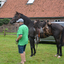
(22, 39)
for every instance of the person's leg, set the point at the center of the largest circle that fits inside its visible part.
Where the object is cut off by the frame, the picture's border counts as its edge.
(22, 58)
(20, 48)
(24, 53)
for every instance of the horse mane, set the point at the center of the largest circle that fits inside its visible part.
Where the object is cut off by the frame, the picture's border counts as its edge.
(26, 19)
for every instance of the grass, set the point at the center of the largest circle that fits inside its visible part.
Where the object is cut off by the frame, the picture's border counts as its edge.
(45, 52)
(8, 33)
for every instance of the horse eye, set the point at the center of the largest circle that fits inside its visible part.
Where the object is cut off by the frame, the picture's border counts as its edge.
(15, 16)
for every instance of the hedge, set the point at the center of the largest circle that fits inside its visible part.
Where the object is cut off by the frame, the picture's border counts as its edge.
(4, 21)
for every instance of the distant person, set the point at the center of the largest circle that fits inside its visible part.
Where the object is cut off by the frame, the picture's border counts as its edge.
(22, 39)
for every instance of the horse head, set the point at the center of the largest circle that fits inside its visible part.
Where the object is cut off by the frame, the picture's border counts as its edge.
(18, 15)
(39, 24)
(47, 28)
(15, 18)
(43, 28)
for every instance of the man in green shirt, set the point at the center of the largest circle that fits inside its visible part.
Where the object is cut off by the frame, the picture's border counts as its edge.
(22, 39)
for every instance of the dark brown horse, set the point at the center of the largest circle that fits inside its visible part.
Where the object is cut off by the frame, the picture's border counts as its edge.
(46, 29)
(30, 25)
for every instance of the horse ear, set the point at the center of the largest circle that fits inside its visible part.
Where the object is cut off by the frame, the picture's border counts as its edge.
(17, 12)
(49, 23)
(35, 21)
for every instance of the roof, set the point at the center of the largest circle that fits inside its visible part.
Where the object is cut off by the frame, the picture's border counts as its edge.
(39, 8)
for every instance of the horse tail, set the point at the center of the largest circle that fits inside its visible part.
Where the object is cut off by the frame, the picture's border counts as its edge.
(36, 46)
(62, 37)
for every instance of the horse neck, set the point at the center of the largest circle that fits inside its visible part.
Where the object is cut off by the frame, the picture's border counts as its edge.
(27, 20)
(31, 24)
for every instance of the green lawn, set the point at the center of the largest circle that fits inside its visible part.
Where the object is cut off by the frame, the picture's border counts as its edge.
(45, 52)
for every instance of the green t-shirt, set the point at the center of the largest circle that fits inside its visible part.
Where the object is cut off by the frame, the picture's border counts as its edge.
(23, 30)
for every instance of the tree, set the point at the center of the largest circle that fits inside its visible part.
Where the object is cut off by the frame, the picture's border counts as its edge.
(4, 21)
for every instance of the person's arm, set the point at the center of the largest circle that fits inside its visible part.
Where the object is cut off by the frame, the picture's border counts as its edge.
(18, 38)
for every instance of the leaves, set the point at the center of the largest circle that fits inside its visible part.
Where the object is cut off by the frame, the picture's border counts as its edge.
(4, 21)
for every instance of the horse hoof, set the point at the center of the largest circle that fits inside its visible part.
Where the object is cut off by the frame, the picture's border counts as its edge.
(59, 56)
(56, 55)
(31, 55)
(34, 53)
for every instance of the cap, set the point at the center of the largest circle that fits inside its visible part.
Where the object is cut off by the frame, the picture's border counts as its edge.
(20, 20)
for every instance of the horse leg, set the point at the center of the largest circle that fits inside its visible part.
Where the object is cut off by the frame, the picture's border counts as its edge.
(36, 41)
(58, 47)
(57, 50)
(34, 47)
(31, 51)
(60, 50)
(31, 45)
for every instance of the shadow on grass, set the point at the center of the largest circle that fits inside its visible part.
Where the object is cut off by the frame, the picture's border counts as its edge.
(46, 42)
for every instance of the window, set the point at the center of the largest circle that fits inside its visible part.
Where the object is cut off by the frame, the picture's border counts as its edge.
(56, 20)
(0, 3)
(30, 1)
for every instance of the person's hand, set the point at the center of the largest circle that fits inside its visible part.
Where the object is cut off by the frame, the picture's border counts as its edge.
(16, 40)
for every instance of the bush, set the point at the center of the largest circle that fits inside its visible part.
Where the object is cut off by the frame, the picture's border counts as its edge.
(1, 22)
(4, 21)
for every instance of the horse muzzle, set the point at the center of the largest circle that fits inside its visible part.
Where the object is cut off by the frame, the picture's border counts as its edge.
(11, 22)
